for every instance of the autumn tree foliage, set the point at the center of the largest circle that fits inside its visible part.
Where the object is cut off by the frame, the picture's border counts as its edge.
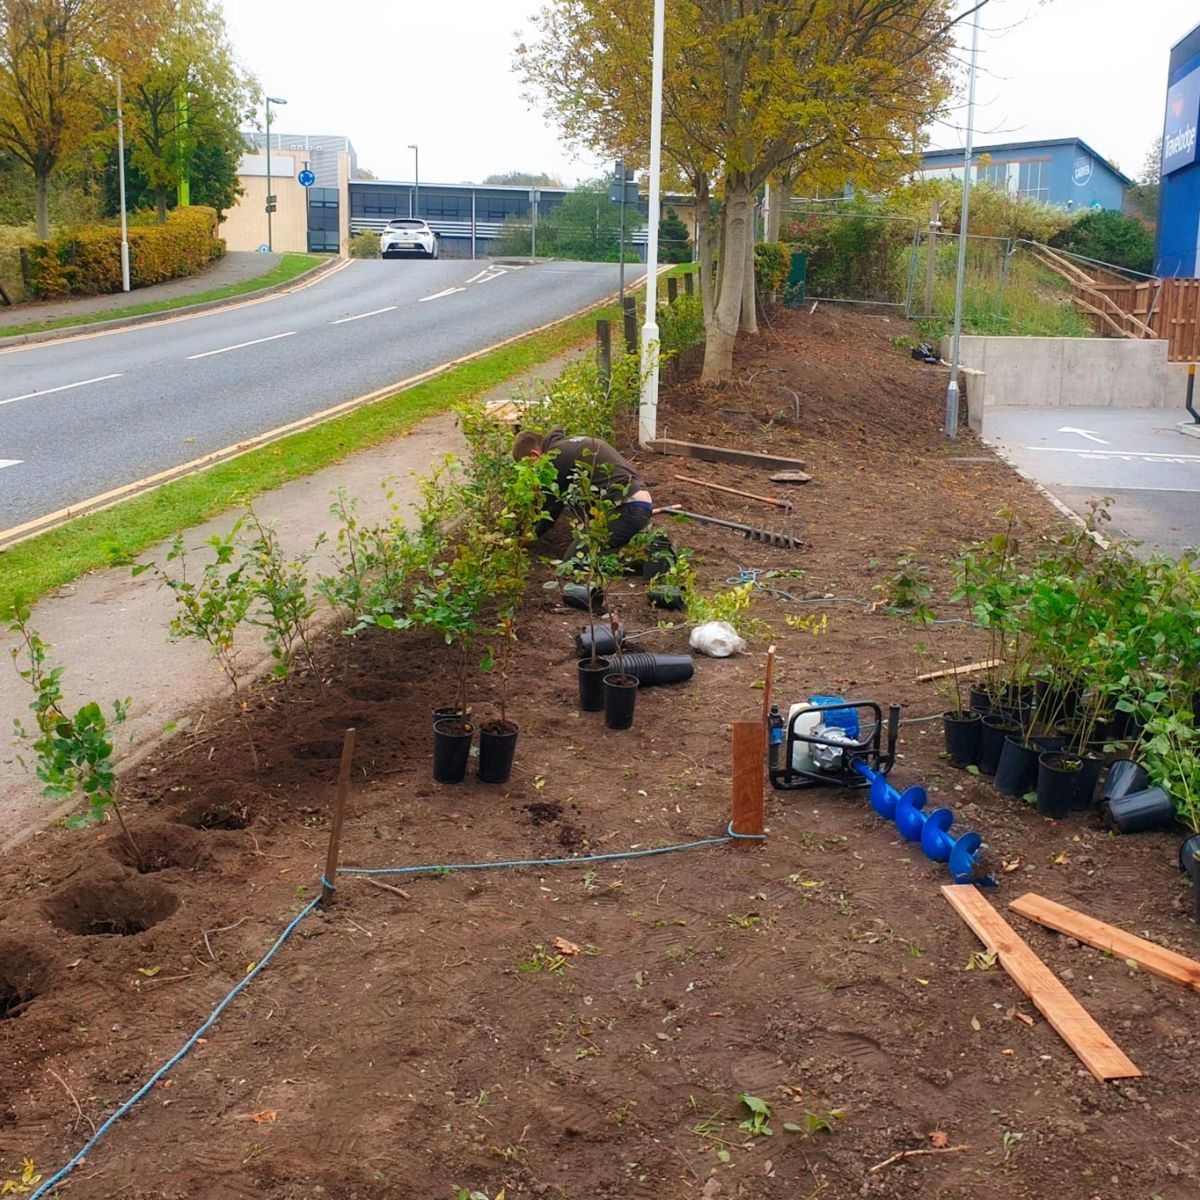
(753, 90)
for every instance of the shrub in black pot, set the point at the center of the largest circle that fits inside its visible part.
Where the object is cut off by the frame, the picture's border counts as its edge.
(1057, 778)
(497, 745)
(620, 694)
(962, 736)
(451, 749)
(591, 683)
(1016, 772)
(993, 729)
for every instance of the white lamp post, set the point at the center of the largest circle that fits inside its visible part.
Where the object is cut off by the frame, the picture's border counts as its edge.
(414, 204)
(121, 187)
(270, 201)
(648, 409)
(951, 429)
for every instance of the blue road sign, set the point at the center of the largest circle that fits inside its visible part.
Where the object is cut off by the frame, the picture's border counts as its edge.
(306, 178)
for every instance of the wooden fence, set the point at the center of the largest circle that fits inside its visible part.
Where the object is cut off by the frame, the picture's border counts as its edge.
(1170, 307)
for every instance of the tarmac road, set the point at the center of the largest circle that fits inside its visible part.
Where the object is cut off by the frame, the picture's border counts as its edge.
(1137, 458)
(93, 412)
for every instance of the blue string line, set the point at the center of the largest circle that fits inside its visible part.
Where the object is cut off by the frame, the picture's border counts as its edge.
(190, 1044)
(179, 1054)
(326, 884)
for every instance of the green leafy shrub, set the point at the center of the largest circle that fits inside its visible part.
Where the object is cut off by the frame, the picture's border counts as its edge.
(680, 325)
(365, 244)
(87, 261)
(581, 401)
(772, 261)
(1110, 237)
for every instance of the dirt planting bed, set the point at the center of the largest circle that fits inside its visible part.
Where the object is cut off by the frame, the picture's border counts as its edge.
(584, 1033)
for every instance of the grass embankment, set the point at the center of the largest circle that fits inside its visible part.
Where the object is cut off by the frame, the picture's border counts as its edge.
(286, 269)
(30, 569)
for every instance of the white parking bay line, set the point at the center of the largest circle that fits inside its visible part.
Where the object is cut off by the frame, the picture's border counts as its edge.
(242, 345)
(439, 295)
(1122, 455)
(373, 313)
(66, 387)
(9, 462)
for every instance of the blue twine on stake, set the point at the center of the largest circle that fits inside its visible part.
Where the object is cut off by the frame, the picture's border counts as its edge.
(189, 1045)
(326, 884)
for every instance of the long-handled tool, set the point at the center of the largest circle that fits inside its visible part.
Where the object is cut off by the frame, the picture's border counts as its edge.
(769, 536)
(786, 505)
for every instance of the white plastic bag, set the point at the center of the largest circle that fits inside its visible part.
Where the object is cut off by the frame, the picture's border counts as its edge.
(717, 639)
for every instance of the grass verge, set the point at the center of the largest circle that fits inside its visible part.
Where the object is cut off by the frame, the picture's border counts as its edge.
(31, 568)
(288, 267)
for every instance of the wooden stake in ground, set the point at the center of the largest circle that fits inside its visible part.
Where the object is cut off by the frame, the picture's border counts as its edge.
(748, 743)
(328, 884)
(1098, 1052)
(768, 680)
(1156, 959)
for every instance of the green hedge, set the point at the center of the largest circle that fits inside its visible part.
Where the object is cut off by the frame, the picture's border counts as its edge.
(772, 260)
(87, 261)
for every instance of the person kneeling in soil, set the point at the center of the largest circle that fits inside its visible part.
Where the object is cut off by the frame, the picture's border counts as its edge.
(614, 475)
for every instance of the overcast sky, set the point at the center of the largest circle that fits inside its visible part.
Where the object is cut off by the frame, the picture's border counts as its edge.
(440, 75)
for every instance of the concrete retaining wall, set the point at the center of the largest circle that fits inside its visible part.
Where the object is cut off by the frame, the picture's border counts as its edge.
(1046, 372)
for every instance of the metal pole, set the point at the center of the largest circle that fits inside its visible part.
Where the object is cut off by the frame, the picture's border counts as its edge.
(121, 186)
(533, 207)
(621, 245)
(952, 390)
(472, 224)
(648, 410)
(270, 244)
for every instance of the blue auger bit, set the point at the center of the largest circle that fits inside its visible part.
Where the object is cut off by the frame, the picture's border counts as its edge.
(932, 830)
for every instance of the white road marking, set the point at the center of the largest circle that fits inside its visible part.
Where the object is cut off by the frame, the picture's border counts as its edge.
(438, 295)
(373, 313)
(9, 462)
(1099, 489)
(1123, 455)
(488, 274)
(66, 387)
(1090, 434)
(242, 345)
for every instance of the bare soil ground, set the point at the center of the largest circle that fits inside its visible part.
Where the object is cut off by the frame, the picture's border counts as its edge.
(403, 1047)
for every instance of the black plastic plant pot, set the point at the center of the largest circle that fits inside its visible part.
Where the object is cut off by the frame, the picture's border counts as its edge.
(1017, 770)
(1187, 857)
(1086, 780)
(654, 669)
(1057, 777)
(993, 729)
(604, 639)
(1058, 699)
(451, 749)
(1049, 742)
(591, 684)
(497, 745)
(1017, 695)
(1137, 812)
(575, 595)
(981, 702)
(448, 712)
(1124, 776)
(620, 695)
(660, 557)
(667, 597)
(962, 737)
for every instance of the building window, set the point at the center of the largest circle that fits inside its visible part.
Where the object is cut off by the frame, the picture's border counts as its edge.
(1030, 185)
(446, 205)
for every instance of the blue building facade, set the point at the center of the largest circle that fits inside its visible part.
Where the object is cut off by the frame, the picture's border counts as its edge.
(1063, 171)
(1177, 251)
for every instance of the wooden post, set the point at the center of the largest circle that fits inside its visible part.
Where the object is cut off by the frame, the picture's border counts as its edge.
(604, 350)
(630, 307)
(672, 289)
(328, 885)
(748, 742)
(931, 256)
(689, 283)
(767, 682)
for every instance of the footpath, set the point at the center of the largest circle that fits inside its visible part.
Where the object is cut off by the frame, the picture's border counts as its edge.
(109, 630)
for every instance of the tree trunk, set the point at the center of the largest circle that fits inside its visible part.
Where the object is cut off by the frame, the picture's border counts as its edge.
(42, 211)
(160, 199)
(722, 333)
(779, 192)
(749, 305)
(704, 251)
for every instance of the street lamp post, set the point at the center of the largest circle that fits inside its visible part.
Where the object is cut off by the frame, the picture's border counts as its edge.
(121, 186)
(648, 409)
(270, 201)
(414, 197)
(951, 429)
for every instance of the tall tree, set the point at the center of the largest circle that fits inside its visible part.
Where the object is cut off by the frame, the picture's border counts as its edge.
(187, 103)
(524, 179)
(751, 90)
(55, 61)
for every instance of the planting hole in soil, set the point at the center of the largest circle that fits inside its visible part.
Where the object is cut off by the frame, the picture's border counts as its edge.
(160, 849)
(339, 724)
(23, 976)
(94, 908)
(543, 814)
(319, 749)
(376, 692)
(220, 808)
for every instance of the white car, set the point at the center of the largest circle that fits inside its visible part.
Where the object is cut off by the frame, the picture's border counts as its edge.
(407, 235)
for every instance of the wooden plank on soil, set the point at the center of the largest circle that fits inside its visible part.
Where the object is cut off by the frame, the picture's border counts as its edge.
(724, 454)
(1156, 959)
(1070, 1020)
(986, 665)
(749, 743)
